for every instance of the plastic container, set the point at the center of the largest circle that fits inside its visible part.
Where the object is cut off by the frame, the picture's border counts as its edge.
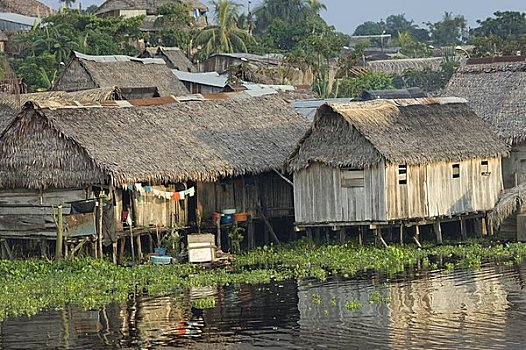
(216, 217)
(161, 251)
(161, 260)
(240, 217)
(227, 218)
(228, 211)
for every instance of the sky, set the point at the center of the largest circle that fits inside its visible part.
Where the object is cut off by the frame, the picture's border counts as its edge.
(346, 15)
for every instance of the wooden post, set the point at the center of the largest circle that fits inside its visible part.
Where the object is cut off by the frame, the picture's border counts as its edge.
(121, 251)
(317, 234)
(131, 243)
(60, 234)
(115, 251)
(43, 249)
(416, 237)
(218, 234)
(308, 231)
(327, 236)
(342, 235)
(402, 235)
(139, 246)
(483, 226)
(251, 234)
(438, 231)
(360, 236)
(101, 253)
(378, 233)
(463, 233)
(490, 227)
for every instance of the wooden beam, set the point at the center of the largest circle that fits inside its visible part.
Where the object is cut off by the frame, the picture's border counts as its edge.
(401, 234)
(7, 249)
(360, 235)
(416, 237)
(463, 233)
(342, 235)
(284, 178)
(378, 233)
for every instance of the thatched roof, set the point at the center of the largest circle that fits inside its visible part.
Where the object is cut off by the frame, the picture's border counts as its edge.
(168, 143)
(399, 66)
(413, 92)
(31, 8)
(176, 59)
(497, 93)
(149, 5)
(10, 105)
(413, 131)
(127, 72)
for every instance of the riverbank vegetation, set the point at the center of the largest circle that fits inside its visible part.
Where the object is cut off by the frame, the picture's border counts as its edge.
(28, 286)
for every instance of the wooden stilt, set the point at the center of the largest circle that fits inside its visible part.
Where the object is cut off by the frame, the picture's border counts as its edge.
(463, 233)
(8, 252)
(401, 234)
(101, 209)
(43, 249)
(308, 231)
(131, 243)
(317, 235)
(269, 226)
(327, 236)
(218, 235)
(438, 231)
(360, 236)
(416, 237)
(484, 227)
(342, 235)
(94, 249)
(378, 234)
(490, 227)
(158, 235)
(251, 235)
(150, 243)
(115, 251)
(266, 235)
(121, 251)
(139, 246)
(60, 234)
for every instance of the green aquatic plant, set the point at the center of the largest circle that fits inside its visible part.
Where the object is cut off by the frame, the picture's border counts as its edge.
(352, 305)
(375, 297)
(316, 299)
(204, 303)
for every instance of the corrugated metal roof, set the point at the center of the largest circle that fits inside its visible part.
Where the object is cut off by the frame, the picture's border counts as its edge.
(118, 58)
(309, 107)
(19, 19)
(209, 78)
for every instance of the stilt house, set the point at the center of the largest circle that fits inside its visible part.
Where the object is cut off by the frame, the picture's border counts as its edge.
(385, 162)
(163, 166)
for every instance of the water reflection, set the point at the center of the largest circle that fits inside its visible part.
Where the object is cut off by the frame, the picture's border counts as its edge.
(484, 309)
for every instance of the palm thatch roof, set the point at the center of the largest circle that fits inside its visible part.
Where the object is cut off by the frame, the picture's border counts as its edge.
(399, 66)
(411, 131)
(149, 5)
(496, 93)
(10, 105)
(123, 72)
(174, 57)
(31, 8)
(74, 147)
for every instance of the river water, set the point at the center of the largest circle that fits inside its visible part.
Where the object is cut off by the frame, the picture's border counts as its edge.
(482, 309)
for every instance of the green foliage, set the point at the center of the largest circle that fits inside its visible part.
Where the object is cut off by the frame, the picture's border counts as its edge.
(225, 36)
(428, 80)
(204, 303)
(375, 297)
(353, 305)
(412, 48)
(353, 87)
(235, 237)
(451, 30)
(46, 49)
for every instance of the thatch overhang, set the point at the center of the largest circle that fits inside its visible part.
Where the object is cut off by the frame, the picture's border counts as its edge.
(200, 141)
(399, 66)
(128, 72)
(496, 93)
(410, 131)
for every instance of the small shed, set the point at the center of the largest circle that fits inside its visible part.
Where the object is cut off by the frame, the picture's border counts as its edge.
(135, 77)
(386, 162)
(218, 154)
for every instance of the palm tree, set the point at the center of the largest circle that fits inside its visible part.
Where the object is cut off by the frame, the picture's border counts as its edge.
(315, 6)
(225, 36)
(67, 3)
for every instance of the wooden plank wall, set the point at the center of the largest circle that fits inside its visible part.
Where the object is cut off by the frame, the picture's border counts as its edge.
(320, 197)
(514, 167)
(432, 191)
(153, 211)
(29, 214)
(241, 193)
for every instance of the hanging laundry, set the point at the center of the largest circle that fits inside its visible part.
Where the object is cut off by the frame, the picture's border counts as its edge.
(148, 189)
(156, 192)
(191, 191)
(182, 195)
(130, 187)
(168, 195)
(176, 196)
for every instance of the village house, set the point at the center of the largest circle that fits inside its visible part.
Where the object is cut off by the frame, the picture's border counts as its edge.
(163, 166)
(494, 88)
(148, 8)
(29, 8)
(135, 77)
(381, 163)
(174, 57)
